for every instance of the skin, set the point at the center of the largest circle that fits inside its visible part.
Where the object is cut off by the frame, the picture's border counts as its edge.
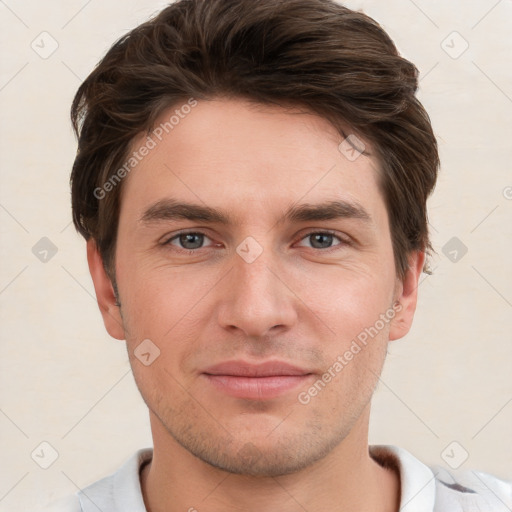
(296, 302)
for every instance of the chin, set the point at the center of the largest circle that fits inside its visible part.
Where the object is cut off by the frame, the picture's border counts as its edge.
(269, 454)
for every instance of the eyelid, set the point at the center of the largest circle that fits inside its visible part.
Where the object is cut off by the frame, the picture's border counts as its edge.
(168, 240)
(343, 240)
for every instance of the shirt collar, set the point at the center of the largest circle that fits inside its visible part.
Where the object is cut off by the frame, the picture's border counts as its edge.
(122, 491)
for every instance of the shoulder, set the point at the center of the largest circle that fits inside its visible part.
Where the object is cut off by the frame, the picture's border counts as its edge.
(471, 490)
(117, 492)
(437, 489)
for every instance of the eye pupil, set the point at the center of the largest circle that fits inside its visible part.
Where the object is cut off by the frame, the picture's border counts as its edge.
(191, 241)
(188, 238)
(324, 240)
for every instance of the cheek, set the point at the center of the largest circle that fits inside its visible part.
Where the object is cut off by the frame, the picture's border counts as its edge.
(350, 375)
(356, 307)
(347, 300)
(170, 307)
(160, 297)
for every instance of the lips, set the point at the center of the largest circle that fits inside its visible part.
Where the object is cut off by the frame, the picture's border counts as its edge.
(266, 369)
(262, 381)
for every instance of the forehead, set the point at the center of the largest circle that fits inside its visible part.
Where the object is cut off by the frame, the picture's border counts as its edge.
(247, 158)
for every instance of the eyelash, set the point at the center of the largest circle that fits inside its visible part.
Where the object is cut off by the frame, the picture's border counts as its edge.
(343, 242)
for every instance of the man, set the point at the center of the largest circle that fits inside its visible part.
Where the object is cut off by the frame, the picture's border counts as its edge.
(251, 180)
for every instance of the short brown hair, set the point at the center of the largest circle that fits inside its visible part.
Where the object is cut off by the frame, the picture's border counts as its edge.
(317, 54)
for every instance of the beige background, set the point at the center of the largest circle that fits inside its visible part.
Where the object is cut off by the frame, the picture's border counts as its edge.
(65, 381)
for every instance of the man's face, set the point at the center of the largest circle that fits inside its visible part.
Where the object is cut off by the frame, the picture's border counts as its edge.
(269, 283)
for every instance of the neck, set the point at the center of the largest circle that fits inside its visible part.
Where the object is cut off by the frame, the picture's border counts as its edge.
(347, 479)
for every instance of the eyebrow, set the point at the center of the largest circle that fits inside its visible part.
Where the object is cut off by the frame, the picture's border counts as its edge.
(170, 209)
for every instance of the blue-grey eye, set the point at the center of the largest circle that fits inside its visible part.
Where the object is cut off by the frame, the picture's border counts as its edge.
(321, 240)
(188, 241)
(191, 240)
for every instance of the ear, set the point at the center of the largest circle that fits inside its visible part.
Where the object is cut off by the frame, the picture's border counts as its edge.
(407, 294)
(104, 293)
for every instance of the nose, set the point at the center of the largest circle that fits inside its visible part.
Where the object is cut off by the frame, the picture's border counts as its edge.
(256, 299)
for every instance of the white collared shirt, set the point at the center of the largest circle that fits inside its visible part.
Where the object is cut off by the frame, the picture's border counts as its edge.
(423, 489)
